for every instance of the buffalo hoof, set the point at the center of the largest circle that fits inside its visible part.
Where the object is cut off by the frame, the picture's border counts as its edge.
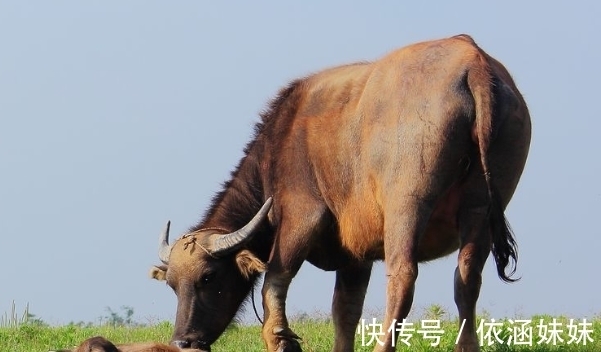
(289, 345)
(286, 340)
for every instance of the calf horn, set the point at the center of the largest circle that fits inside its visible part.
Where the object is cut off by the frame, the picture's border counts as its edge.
(224, 244)
(164, 247)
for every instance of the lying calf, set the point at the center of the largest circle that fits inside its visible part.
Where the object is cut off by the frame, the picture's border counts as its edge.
(100, 344)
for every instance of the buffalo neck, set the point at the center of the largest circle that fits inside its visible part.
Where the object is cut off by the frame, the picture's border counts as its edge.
(250, 183)
(241, 198)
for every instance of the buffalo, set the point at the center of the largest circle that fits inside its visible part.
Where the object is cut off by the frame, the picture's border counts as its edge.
(101, 344)
(405, 159)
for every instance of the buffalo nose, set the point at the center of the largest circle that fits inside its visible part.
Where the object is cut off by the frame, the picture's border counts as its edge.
(181, 343)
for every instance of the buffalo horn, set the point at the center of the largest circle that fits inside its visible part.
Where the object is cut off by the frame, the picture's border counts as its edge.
(164, 247)
(223, 244)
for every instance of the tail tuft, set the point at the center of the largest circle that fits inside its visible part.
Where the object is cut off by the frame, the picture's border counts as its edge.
(504, 245)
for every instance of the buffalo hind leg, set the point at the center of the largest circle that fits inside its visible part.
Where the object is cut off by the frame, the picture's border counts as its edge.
(347, 304)
(473, 252)
(403, 228)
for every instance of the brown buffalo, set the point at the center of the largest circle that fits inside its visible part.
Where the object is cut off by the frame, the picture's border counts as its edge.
(405, 159)
(100, 344)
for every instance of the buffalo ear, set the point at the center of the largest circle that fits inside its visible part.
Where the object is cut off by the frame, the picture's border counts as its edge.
(248, 264)
(158, 272)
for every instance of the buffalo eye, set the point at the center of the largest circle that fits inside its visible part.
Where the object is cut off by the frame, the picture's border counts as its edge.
(207, 278)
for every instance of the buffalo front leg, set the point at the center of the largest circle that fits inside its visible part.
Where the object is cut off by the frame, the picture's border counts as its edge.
(347, 304)
(276, 332)
(473, 252)
(289, 251)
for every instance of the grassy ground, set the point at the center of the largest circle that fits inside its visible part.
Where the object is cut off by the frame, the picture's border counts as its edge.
(317, 336)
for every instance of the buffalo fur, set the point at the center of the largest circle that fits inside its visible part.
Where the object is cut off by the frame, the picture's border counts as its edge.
(405, 159)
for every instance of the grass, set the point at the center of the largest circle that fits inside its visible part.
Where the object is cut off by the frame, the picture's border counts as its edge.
(317, 336)
(14, 319)
(32, 337)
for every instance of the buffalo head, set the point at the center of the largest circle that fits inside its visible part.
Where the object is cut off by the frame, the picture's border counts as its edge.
(211, 274)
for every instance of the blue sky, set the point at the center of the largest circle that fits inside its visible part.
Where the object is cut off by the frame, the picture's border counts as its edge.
(117, 116)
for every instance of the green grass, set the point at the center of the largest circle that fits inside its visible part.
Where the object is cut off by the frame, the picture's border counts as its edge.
(31, 337)
(317, 336)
